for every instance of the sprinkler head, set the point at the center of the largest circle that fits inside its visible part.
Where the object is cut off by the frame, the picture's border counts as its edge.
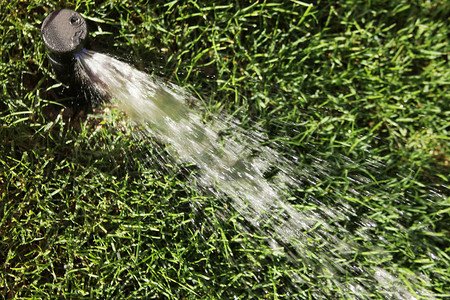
(65, 33)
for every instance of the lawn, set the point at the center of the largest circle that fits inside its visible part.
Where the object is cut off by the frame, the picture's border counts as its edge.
(353, 93)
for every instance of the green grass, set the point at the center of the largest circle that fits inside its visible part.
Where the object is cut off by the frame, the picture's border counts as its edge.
(356, 88)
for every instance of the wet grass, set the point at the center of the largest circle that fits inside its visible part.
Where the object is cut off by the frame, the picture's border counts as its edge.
(351, 89)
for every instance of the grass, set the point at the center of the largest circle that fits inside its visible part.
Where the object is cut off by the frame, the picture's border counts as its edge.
(352, 89)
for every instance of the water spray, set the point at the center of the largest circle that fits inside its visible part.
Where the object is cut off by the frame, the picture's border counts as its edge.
(65, 33)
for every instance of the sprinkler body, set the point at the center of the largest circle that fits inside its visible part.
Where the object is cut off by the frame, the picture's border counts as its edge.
(65, 33)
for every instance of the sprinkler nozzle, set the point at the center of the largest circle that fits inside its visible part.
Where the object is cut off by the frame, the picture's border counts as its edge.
(65, 33)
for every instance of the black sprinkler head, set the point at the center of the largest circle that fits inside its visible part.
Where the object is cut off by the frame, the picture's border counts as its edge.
(65, 33)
